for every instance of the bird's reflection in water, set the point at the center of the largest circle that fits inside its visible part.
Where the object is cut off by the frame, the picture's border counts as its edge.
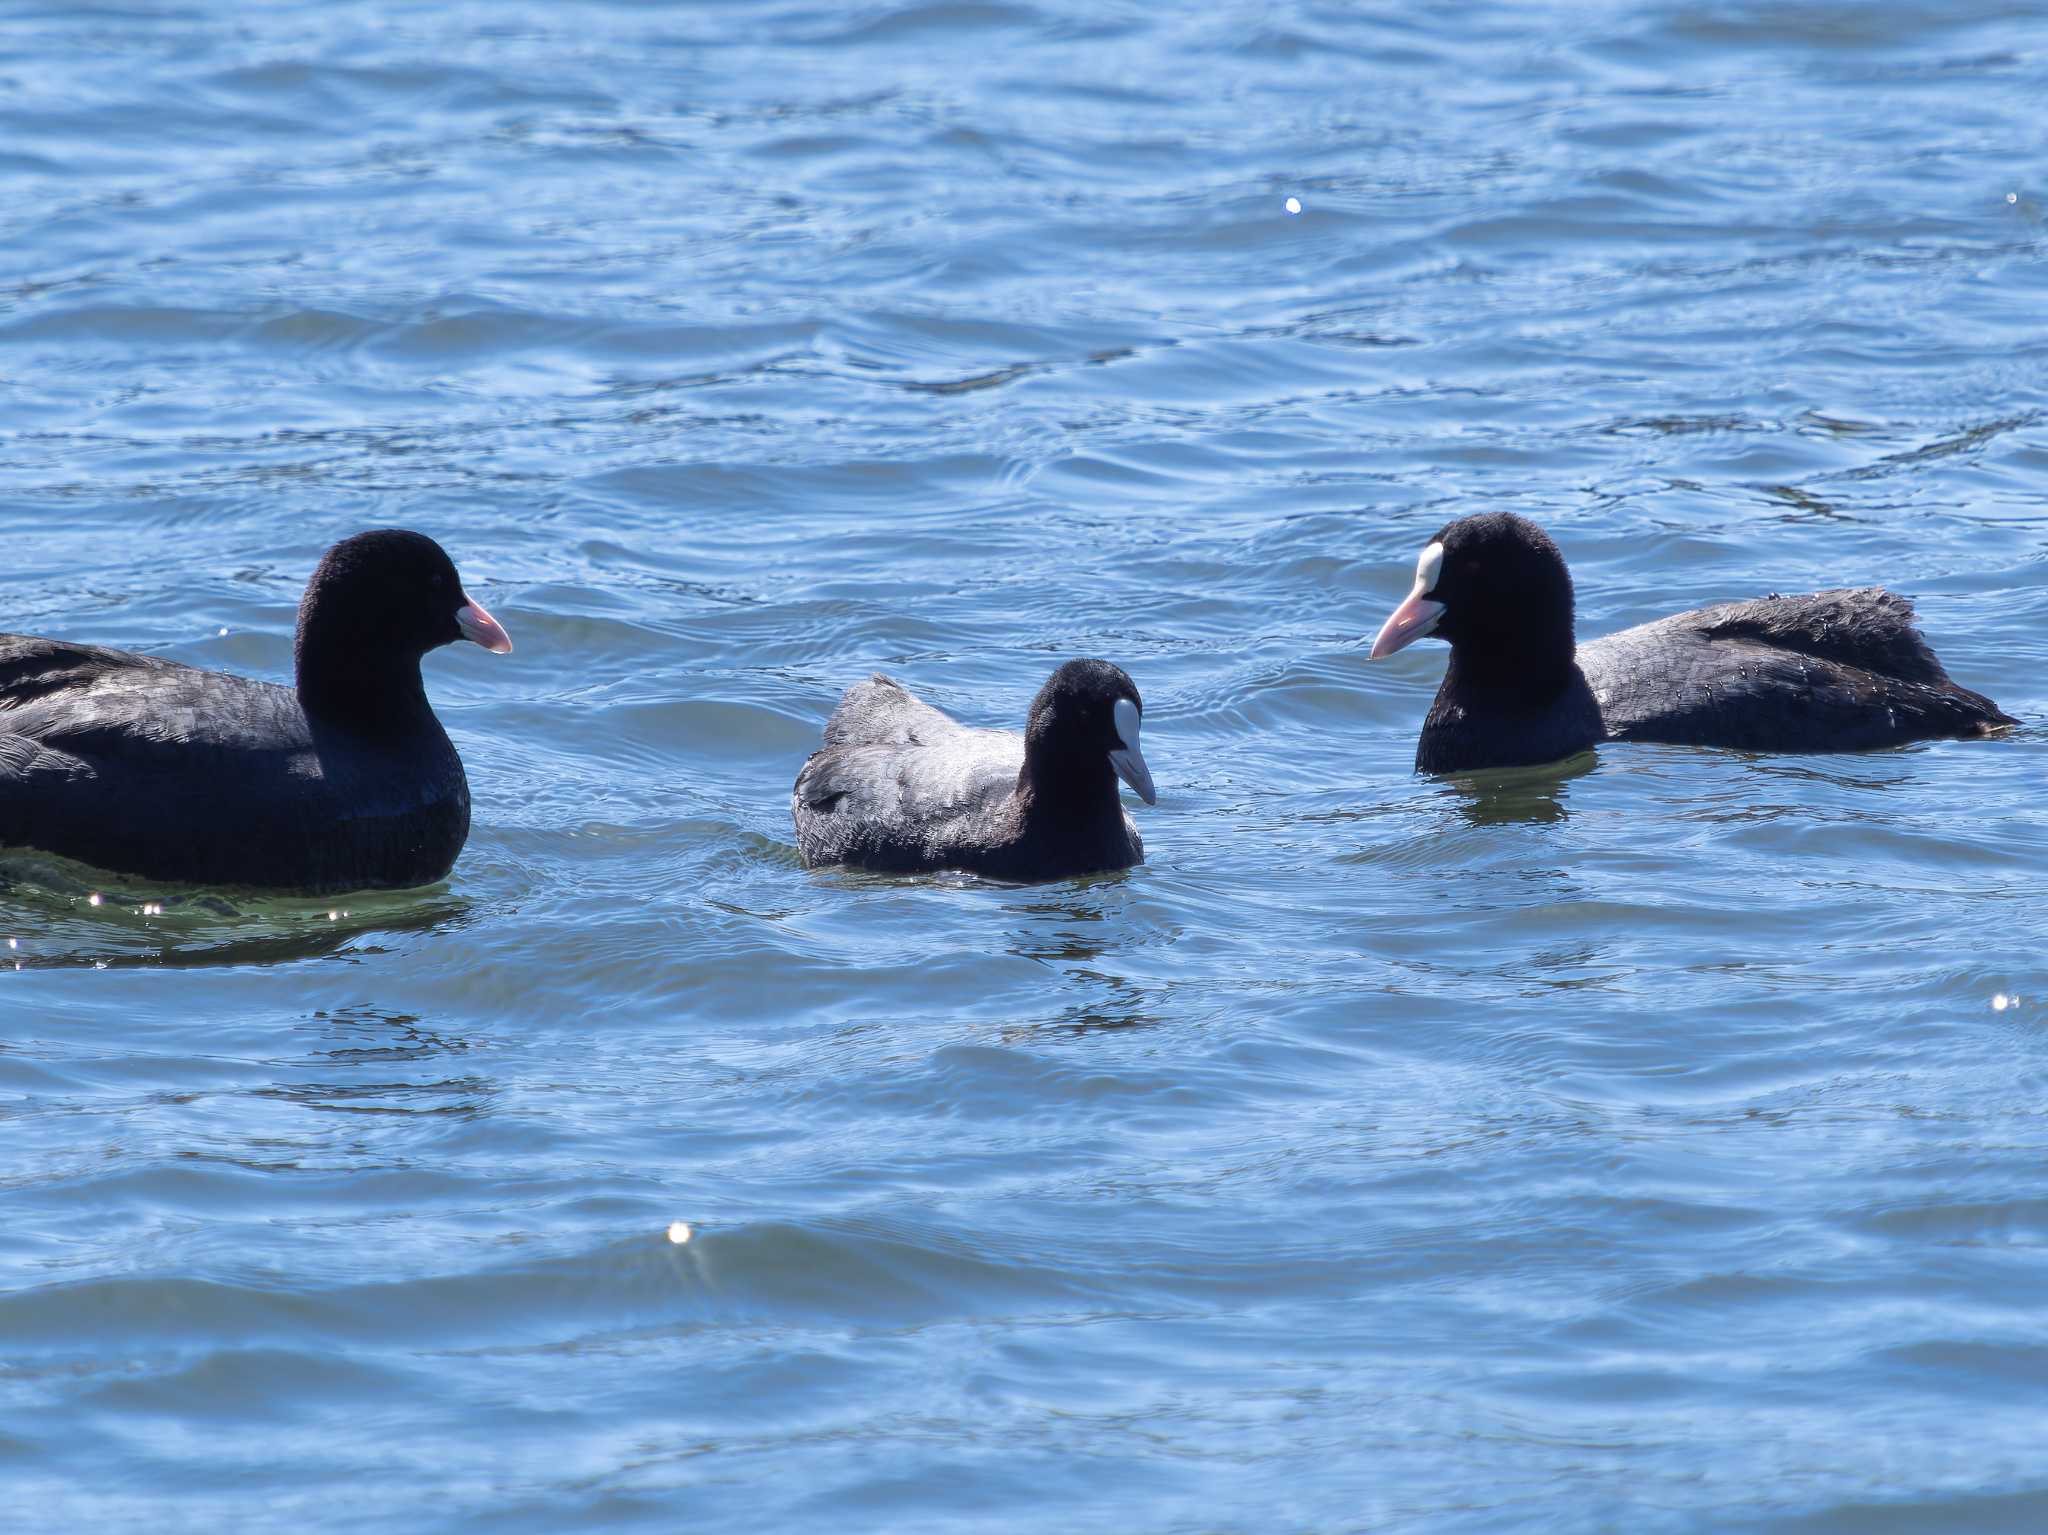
(63, 914)
(1072, 926)
(367, 1060)
(353, 1066)
(1066, 921)
(1118, 1003)
(1532, 796)
(354, 1036)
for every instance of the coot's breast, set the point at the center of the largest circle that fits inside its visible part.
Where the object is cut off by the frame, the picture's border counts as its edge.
(1475, 728)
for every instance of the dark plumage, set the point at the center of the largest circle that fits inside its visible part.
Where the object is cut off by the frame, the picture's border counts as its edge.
(1834, 671)
(146, 767)
(901, 787)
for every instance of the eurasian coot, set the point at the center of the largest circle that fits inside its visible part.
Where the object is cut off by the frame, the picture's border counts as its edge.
(899, 786)
(347, 781)
(1834, 671)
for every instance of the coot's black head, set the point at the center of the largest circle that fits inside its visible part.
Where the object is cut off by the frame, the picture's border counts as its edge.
(1086, 717)
(1496, 587)
(376, 604)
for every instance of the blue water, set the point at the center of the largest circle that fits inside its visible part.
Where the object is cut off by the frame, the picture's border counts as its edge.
(1655, 1146)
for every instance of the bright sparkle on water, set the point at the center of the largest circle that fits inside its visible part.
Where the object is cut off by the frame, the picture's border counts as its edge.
(1294, 205)
(679, 1232)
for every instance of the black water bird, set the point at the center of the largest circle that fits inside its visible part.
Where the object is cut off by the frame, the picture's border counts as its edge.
(1832, 671)
(899, 786)
(345, 781)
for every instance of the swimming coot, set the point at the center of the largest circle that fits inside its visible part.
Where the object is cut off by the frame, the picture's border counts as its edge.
(901, 787)
(1834, 671)
(347, 781)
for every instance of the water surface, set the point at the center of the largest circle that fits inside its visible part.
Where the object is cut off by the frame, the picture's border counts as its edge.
(1652, 1145)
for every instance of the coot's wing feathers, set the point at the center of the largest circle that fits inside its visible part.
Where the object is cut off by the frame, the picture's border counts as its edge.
(891, 753)
(22, 758)
(898, 784)
(155, 769)
(883, 712)
(31, 668)
(1833, 671)
(1868, 627)
(922, 781)
(86, 700)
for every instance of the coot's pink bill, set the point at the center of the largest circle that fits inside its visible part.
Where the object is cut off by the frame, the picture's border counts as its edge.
(1405, 625)
(479, 628)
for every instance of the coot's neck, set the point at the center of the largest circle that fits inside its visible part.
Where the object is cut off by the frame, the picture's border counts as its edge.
(1067, 791)
(368, 692)
(1535, 665)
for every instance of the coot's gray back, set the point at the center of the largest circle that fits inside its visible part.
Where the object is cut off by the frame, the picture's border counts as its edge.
(898, 784)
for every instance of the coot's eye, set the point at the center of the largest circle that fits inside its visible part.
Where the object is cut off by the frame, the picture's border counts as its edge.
(438, 582)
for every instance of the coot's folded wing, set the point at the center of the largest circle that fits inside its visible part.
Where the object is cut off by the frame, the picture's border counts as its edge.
(1830, 671)
(156, 714)
(133, 763)
(1868, 628)
(883, 712)
(32, 668)
(898, 783)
